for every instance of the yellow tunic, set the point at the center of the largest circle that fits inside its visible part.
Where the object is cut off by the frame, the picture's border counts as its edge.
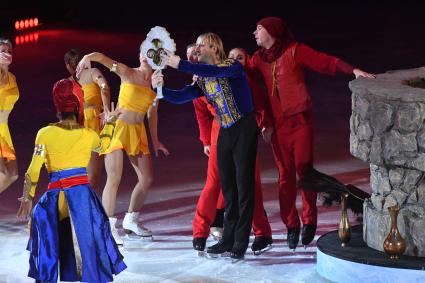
(132, 137)
(93, 106)
(9, 94)
(60, 148)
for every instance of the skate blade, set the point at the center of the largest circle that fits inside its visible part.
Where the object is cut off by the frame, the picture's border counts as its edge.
(215, 237)
(216, 256)
(259, 252)
(135, 237)
(238, 260)
(202, 253)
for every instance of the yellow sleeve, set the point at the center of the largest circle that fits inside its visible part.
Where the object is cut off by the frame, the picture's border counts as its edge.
(33, 172)
(102, 142)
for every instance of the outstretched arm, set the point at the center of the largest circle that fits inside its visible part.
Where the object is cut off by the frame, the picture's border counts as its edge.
(229, 68)
(113, 66)
(181, 96)
(324, 63)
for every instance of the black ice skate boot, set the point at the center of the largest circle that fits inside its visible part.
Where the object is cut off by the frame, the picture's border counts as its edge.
(308, 233)
(199, 244)
(261, 244)
(219, 248)
(237, 253)
(293, 238)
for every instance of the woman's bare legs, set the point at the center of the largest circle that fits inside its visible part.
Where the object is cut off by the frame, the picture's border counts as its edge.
(113, 166)
(142, 165)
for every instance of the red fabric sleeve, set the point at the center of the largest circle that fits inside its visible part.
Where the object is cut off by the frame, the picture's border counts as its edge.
(344, 67)
(314, 60)
(204, 118)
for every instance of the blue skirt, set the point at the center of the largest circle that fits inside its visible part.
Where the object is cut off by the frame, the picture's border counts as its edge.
(92, 257)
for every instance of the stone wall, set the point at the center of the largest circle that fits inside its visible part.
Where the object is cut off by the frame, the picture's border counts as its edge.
(387, 131)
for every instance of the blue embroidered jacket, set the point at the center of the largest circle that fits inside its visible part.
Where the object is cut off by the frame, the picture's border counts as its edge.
(225, 87)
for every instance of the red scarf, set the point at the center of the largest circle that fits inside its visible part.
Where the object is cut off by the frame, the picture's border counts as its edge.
(278, 29)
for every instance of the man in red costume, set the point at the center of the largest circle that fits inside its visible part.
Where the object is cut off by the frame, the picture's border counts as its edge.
(281, 60)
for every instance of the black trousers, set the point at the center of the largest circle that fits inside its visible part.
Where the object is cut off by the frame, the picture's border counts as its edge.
(236, 154)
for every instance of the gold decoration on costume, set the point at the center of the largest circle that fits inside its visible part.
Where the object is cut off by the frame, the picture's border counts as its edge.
(40, 149)
(27, 188)
(226, 63)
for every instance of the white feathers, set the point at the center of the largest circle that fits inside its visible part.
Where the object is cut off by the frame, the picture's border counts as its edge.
(156, 41)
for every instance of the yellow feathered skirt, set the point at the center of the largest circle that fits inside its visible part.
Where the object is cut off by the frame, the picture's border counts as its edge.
(130, 137)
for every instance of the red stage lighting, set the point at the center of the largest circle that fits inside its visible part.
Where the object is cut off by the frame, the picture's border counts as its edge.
(17, 25)
(21, 24)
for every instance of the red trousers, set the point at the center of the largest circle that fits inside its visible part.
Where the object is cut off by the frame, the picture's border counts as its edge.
(292, 145)
(211, 198)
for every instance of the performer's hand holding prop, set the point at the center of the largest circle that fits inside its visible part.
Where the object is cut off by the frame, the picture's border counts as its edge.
(157, 43)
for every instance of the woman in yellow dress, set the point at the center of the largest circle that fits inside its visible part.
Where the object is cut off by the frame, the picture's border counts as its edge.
(9, 94)
(135, 101)
(95, 90)
(69, 232)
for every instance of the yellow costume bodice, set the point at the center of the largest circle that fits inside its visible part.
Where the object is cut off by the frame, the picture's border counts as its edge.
(61, 148)
(135, 98)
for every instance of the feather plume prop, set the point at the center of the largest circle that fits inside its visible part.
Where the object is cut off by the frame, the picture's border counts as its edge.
(331, 190)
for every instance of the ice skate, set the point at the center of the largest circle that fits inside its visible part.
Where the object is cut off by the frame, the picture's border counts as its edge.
(237, 253)
(237, 258)
(216, 233)
(261, 244)
(307, 234)
(293, 238)
(218, 249)
(114, 231)
(133, 229)
(199, 246)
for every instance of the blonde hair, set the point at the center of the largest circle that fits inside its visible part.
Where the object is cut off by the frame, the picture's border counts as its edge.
(213, 40)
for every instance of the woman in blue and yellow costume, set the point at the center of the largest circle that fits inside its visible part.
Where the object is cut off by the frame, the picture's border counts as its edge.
(95, 90)
(135, 101)
(69, 230)
(9, 94)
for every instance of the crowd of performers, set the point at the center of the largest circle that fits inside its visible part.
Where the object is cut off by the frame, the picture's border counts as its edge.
(237, 98)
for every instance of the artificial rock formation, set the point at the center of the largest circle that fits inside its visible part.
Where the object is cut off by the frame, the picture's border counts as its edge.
(388, 131)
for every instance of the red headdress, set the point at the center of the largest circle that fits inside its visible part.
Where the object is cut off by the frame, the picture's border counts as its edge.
(65, 100)
(278, 29)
